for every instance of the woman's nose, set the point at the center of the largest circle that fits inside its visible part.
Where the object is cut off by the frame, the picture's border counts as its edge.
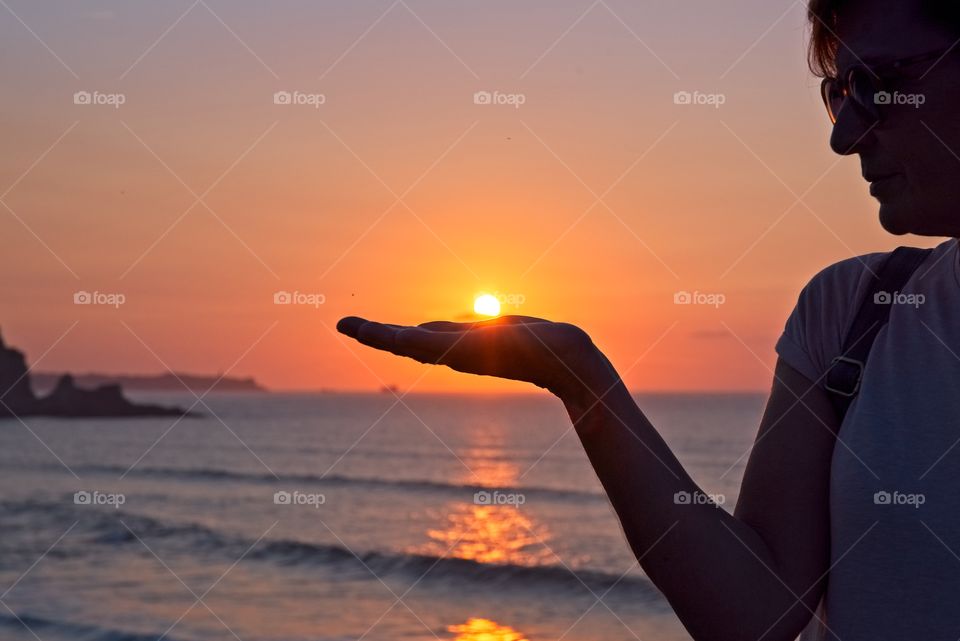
(851, 131)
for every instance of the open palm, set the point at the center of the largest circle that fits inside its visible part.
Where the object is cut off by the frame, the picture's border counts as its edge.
(559, 357)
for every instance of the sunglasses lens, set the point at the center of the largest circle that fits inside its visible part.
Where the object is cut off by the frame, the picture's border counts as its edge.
(833, 97)
(860, 86)
(864, 91)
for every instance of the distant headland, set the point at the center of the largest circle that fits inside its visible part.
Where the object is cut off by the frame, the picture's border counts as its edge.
(152, 382)
(66, 399)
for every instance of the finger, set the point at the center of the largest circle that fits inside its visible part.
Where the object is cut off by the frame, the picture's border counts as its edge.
(515, 319)
(349, 325)
(383, 336)
(488, 349)
(435, 344)
(483, 350)
(378, 335)
(450, 326)
(445, 326)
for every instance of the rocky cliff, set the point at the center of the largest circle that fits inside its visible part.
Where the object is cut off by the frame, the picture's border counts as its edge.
(66, 399)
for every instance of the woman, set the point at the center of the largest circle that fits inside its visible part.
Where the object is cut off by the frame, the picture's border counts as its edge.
(849, 524)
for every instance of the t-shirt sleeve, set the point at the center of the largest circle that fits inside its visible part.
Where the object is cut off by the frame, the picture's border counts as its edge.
(814, 331)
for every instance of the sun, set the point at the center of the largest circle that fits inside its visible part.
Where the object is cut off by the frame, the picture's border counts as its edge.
(487, 305)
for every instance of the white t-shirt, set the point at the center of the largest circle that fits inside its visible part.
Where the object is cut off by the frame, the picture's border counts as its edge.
(895, 472)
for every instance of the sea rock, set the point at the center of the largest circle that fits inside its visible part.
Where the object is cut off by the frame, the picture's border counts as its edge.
(66, 400)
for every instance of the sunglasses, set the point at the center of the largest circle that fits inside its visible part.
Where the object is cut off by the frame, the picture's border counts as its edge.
(867, 86)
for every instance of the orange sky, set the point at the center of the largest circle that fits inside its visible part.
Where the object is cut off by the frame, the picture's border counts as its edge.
(399, 198)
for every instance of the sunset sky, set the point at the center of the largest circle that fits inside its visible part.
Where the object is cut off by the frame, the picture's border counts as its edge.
(399, 198)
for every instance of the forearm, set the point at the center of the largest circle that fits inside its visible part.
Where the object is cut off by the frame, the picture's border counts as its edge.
(716, 571)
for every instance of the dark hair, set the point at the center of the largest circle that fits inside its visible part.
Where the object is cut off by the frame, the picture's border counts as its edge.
(824, 42)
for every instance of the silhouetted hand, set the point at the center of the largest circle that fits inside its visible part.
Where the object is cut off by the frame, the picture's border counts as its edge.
(556, 356)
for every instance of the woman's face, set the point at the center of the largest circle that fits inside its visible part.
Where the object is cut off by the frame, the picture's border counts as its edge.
(912, 156)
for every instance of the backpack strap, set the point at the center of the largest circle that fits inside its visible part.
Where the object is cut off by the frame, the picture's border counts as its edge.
(846, 370)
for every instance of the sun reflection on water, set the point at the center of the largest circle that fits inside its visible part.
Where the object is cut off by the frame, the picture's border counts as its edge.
(485, 533)
(489, 534)
(484, 630)
(488, 466)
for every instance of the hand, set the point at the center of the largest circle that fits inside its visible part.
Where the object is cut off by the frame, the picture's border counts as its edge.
(556, 356)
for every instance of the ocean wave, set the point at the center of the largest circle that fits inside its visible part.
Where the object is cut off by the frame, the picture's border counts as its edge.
(336, 480)
(43, 627)
(369, 564)
(118, 528)
(430, 568)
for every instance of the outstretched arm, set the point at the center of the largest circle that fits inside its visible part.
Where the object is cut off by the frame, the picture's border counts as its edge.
(757, 574)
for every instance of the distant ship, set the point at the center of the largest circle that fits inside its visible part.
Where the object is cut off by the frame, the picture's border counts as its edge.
(389, 389)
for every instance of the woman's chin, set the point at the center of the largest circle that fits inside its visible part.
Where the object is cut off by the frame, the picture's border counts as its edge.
(905, 217)
(896, 218)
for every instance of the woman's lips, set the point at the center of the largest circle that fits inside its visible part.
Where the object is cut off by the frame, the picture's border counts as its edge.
(885, 187)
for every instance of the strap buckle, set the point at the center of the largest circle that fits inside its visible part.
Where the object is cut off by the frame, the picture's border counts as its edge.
(851, 376)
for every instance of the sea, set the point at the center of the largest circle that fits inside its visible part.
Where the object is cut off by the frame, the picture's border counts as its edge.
(334, 517)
